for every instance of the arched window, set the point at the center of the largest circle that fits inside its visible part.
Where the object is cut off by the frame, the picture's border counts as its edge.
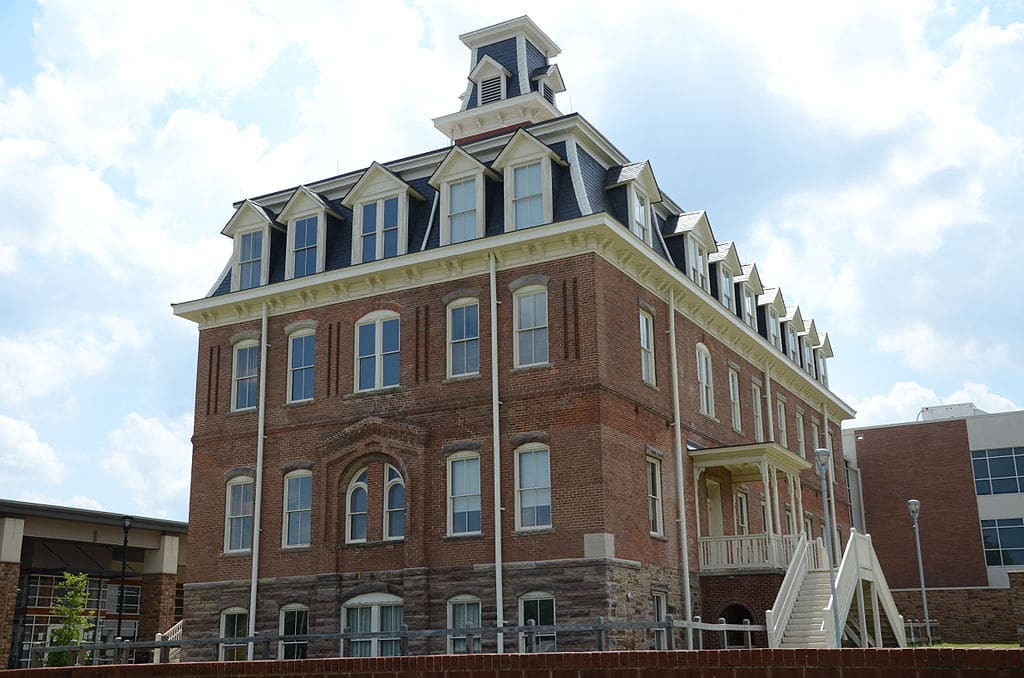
(294, 621)
(234, 623)
(377, 351)
(705, 383)
(531, 326)
(463, 337)
(298, 508)
(301, 361)
(245, 375)
(394, 503)
(463, 613)
(533, 487)
(373, 613)
(238, 514)
(357, 503)
(540, 607)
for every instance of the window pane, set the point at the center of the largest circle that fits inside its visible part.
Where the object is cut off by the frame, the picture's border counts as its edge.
(390, 618)
(1004, 486)
(472, 356)
(367, 375)
(367, 339)
(389, 335)
(980, 468)
(390, 370)
(300, 493)
(458, 323)
(369, 218)
(391, 213)
(369, 247)
(540, 345)
(983, 487)
(357, 503)
(390, 243)
(1001, 467)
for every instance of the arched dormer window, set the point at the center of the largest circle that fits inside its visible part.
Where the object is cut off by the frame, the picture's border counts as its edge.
(357, 501)
(394, 503)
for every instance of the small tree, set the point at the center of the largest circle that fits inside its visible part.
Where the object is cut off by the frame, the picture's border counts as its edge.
(71, 609)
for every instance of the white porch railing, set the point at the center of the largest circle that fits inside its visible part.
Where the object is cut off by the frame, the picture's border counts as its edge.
(747, 551)
(173, 653)
(806, 556)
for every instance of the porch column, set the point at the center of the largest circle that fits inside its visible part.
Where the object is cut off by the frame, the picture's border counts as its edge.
(792, 503)
(775, 498)
(767, 498)
(800, 504)
(11, 532)
(697, 478)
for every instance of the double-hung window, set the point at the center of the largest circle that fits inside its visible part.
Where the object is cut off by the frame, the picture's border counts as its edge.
(377, 351)
(531, 326)
(394, 503)
(742, 514)
(755, 407)
(305, 246)
(654, 511)
(647, 348)
(302, 352)
(239, 514)
(234, 623)
(640, 221)
(463, 613)
(294, 622)
(379, 232)
(540, 607)
(727, 288)
(801, 443)
(464, 494)
(463, 338)
(808, 357)
(462, 212)
(250, 260)
(298, 508)
(374, 613)
(533, 488)
(781, 414)
(245, 381)
(773, 328)
(698, 259)
(791, 344)
(357, 505)
(749, 316)
(528, 196)
(734, 399)
(659, 607)
(705, 384)
(815, 436)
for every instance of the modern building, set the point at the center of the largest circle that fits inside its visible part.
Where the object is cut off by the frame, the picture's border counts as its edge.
(39, 543)
(508, 378)
(966, 467)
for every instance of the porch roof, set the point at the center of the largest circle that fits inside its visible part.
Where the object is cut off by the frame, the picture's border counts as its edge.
(744, 461)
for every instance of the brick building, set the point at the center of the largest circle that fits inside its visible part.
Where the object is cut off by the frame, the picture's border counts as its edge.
(505, 379)
(966, 467)
(38, 543)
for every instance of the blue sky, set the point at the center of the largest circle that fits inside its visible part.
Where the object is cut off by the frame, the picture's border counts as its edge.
(867, 156)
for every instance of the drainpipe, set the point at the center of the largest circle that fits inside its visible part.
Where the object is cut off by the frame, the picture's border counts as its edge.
(499, 592)
(260, 427)
(836, 541)
(677, 445)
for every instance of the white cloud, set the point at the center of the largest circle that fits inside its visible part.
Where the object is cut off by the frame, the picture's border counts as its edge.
(8, 259)
(25, 458)
(980, 395)
(153, 459)
(922, 348)
(75, 500)
(905, 399)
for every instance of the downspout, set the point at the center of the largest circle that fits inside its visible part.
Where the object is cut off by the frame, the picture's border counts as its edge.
(499, 593)
(260, 426)
(836, 539)
(677, 445)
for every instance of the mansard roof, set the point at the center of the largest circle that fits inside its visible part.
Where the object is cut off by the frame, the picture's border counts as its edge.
(509, 29)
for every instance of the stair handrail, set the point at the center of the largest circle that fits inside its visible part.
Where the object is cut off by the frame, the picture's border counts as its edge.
(881, 587)
(174, 633)
(778, 616)
(846, 584)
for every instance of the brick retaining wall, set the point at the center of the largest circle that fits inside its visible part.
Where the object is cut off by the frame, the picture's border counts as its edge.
(965, 615)
(919, 663)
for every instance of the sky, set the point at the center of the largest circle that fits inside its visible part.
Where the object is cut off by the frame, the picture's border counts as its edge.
(868, 156)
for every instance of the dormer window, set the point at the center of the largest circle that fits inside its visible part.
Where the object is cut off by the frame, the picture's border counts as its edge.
(697, 255)
(380, 213)
(640, 218)
(250, 256)
(773, 328)
(727, 289)
(794, 355)
(525, 162)
(249, 228)
(492, 89)
(491, 79)
(378, 234)
(306, 215)
(460, 181)
(808, 358)
(528, 200)
(749, 316)
(462, 212)
(822, 370)
(304, 262)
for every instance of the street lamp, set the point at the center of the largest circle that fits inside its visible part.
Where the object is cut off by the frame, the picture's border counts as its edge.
(126, 525)
(821, 457)
(914, 506)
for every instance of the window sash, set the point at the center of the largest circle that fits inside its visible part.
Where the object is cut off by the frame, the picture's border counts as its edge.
(305, 244)
(464, 615)
(534, 491)
(394, 508)
(734, 399)
(246, 376)
(742, 514)
(758, 418)
(654, 509)
(801, 443)
(294, 622)
(528, 196)
(464, 495)
(378, 236)
(659, 608)
(250, 259)
(542, 612)
(303, 355)
(298, 509)
(240, 515)
(641, 216)
(462, 210)
(378, 353)
(705, 385)
(464, 339)
(357, 507)
(647, 348)
(783, 433)
(532, 328)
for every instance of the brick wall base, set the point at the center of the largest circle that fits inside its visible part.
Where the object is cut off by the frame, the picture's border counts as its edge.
(755, 592)
(809, 663)
(157, 604)
(966, 615)
(9, 573)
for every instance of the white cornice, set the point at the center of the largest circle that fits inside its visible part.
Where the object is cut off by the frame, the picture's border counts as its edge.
(531, 107)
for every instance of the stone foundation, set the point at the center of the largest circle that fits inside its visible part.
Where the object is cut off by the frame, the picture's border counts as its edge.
(974, 615)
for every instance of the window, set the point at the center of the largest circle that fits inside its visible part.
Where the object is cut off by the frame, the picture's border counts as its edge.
(377, 351)
(540, 607)
(755, 407)
(394, 503)
(374, 613)
(462, 212)
(245, 384)
(822, 370)
(464, 494)
(801, 445)
(132, 597)
(659, 609)
(749, 316)
(298, 508)
(1004, 541)
(815, 436)
(791, 342)
(357, 502)
(647, 348)
(379, 230)
(302, 351)
(698, 258)
(294, 622)
(641, 217)
(764, 515)
(528, 196)
(463, 613)
(305, 246)
(998, 471)
(790, 525)
(742, 514)
(238, 526)
(654, 512)
(531, 326)
(734, 399)
(234, 623)
(808, 359)
(727, 289)
(773, 328)
(781, 414)
(809, 527)
(250, 257)
(533, 488)
(704, 381)
(463, 338)
(831, 457)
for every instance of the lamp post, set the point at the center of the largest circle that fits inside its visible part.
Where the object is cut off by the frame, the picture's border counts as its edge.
(821, 457)
(914, 506)
(126, 525)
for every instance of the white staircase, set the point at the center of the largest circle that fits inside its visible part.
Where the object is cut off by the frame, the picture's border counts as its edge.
(805, 628)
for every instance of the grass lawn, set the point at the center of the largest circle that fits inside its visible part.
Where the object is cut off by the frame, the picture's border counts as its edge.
(1003, 645)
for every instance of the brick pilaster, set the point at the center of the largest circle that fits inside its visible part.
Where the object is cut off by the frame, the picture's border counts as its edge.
(156, 606)
(1017, 593)
(9, 573)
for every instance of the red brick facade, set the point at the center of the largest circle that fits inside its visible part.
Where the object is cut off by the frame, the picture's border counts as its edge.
(9, 574)
(156, 604)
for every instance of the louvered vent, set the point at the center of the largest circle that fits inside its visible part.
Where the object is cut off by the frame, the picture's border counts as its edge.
(549, 94)
(490, 90)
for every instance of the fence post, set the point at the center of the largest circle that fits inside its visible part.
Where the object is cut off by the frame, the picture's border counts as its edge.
(35, 654)
(670, 632)
(404, 643)
(125, 646)
(529, 635)
(747, 634)
(345, 641)
(725, 638)
(700, 634)
(117, 650)
(158, 651)
(911, 624)
(602, 635)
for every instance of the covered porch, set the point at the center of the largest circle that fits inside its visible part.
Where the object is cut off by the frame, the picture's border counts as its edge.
(735, 547)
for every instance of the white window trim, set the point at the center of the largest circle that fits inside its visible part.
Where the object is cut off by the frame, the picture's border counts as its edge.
(815, 435)
(633, 195)
(742, 508)
(321, 241)
(376, 318)
(757, 408)
(223, 621)
(734, 400)
(248, 343)
(705, 381)
(822, 369)
(727, 288)
(237, 480)
(445, 199)
(537, 595)
(461, 303)
(236, 264)
(301, 473)
(526, 449)
(658, 517)
(780, 410)
(519, 294)
(296, 335)
(697, 255)
(791, 344)
(374, 601)
(461, 456)
(774, 330)
(352, 485)
(387, 488)
(462, 600)
(749, 307)
(545, 190)
(801, 442)
(647, 322)
(291, 607)
(357, 224)
(659, 635)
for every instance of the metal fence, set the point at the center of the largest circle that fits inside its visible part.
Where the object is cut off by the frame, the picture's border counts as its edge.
(917, 631)
(532, 638)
